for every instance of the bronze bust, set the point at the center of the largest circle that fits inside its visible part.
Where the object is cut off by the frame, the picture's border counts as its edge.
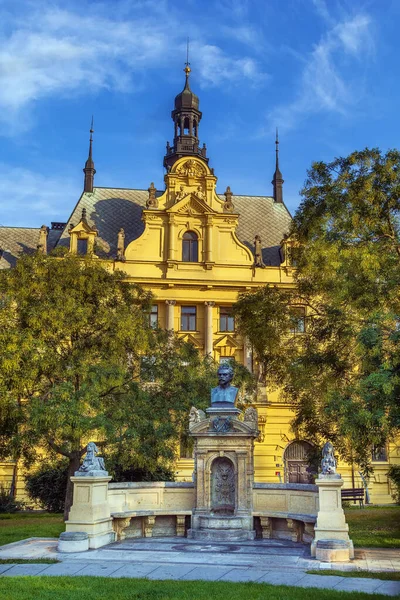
(225, 394)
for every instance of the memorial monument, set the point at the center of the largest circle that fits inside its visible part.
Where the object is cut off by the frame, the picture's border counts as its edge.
(331, 542)
(224, 465)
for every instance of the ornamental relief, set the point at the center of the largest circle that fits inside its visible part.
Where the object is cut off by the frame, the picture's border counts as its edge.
(223, 486)
(191, 168)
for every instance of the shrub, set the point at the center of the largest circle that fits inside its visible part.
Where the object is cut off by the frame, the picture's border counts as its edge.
(47, 485)
(8, 504)
(394, 476)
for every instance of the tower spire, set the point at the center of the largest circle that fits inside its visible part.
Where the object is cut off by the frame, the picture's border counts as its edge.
(89, 169)
(186, 117)
(277, 180)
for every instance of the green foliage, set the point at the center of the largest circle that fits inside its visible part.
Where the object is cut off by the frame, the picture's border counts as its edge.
(343, 378)
(394, 475)
(79, 362)
(71, 334)
(8, 504)
(47, 485)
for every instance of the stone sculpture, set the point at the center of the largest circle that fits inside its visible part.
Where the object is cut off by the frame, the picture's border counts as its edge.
(152, 201)
(92, 466)
(181, 194)
(328, 462)
(121, 245)
(251, 416)
(224, 394)
(258, 260)
(195, 416)
(223, 486)
(228, 204)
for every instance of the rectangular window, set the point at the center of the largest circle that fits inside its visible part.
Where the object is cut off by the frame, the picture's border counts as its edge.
(298, 317)
(153, 316)
(188, 318)
(82, 246)
(293, 256)
(226, 319)
(379, 454)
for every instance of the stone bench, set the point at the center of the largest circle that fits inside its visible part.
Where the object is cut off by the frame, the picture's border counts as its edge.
(300, 526)
(122, 520)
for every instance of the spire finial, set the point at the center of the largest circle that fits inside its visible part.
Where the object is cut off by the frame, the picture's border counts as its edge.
(187, 68)
(89, 169)
(91, 138)
(277, 180)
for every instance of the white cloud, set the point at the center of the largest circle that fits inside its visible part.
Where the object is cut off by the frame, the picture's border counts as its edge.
(47, 51)
(26, 192)
(216, 68)
(329, 79)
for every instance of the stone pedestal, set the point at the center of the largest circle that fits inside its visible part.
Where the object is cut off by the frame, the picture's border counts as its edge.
(224, 474)
(331, 523)
(90, 511)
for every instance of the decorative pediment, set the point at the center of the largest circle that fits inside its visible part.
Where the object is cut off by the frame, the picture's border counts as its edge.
(224, 425)
(188, 337)
(191, 205)
(227, 341)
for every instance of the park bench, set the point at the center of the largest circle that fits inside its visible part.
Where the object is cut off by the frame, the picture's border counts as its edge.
(122, 520)
(354, 495)
(300, 526)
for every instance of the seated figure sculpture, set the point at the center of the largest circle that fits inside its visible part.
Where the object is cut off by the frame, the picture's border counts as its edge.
(328, 462)
(92, 464)
(225, 394)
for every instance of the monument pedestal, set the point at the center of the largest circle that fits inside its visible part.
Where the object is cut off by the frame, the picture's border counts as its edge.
(331, 542)
(90, 511)
(224, 474)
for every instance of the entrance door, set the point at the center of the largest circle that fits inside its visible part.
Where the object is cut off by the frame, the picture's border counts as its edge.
(296, 463)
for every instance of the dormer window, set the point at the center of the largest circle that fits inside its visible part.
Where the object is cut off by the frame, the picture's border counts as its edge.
(190, 247)
(82, 246)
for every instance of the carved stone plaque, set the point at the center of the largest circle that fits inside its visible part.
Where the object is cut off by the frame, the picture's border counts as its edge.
(223, 486)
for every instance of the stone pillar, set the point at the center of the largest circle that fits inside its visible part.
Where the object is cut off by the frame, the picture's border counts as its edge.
(169, 325)
(208, 333)
(208, 240)
(331, 523)
(171, 238)
(90, 511)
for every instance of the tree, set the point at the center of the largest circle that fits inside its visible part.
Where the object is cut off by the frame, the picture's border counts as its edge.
(80, 362)
(71, 335)
(343, 378)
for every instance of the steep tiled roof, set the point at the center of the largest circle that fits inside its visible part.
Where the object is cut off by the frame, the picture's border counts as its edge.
(17, 240)
(109, 209)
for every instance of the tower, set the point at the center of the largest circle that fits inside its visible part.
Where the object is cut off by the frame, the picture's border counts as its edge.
(277, 180)
(186, 117)
(89, 169)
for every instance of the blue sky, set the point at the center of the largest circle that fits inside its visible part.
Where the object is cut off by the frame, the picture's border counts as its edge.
(325, 72)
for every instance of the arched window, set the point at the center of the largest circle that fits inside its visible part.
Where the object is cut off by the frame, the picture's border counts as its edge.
(190, 247)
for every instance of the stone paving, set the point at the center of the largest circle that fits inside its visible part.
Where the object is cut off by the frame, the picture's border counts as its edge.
(262, 561)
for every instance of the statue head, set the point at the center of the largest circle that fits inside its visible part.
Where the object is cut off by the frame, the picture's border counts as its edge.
(225, 375)
(327, 450)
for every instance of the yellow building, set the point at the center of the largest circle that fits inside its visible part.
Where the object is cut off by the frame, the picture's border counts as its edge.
(196, 250)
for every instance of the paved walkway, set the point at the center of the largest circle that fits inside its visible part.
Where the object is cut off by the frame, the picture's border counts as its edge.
(262, 561)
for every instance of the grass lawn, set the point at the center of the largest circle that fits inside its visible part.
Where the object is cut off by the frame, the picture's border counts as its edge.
(374, 527)
(386, 575)
(18, 526)
(101, 588)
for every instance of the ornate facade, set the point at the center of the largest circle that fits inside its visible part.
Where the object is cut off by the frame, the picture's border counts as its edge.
(196, 249)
